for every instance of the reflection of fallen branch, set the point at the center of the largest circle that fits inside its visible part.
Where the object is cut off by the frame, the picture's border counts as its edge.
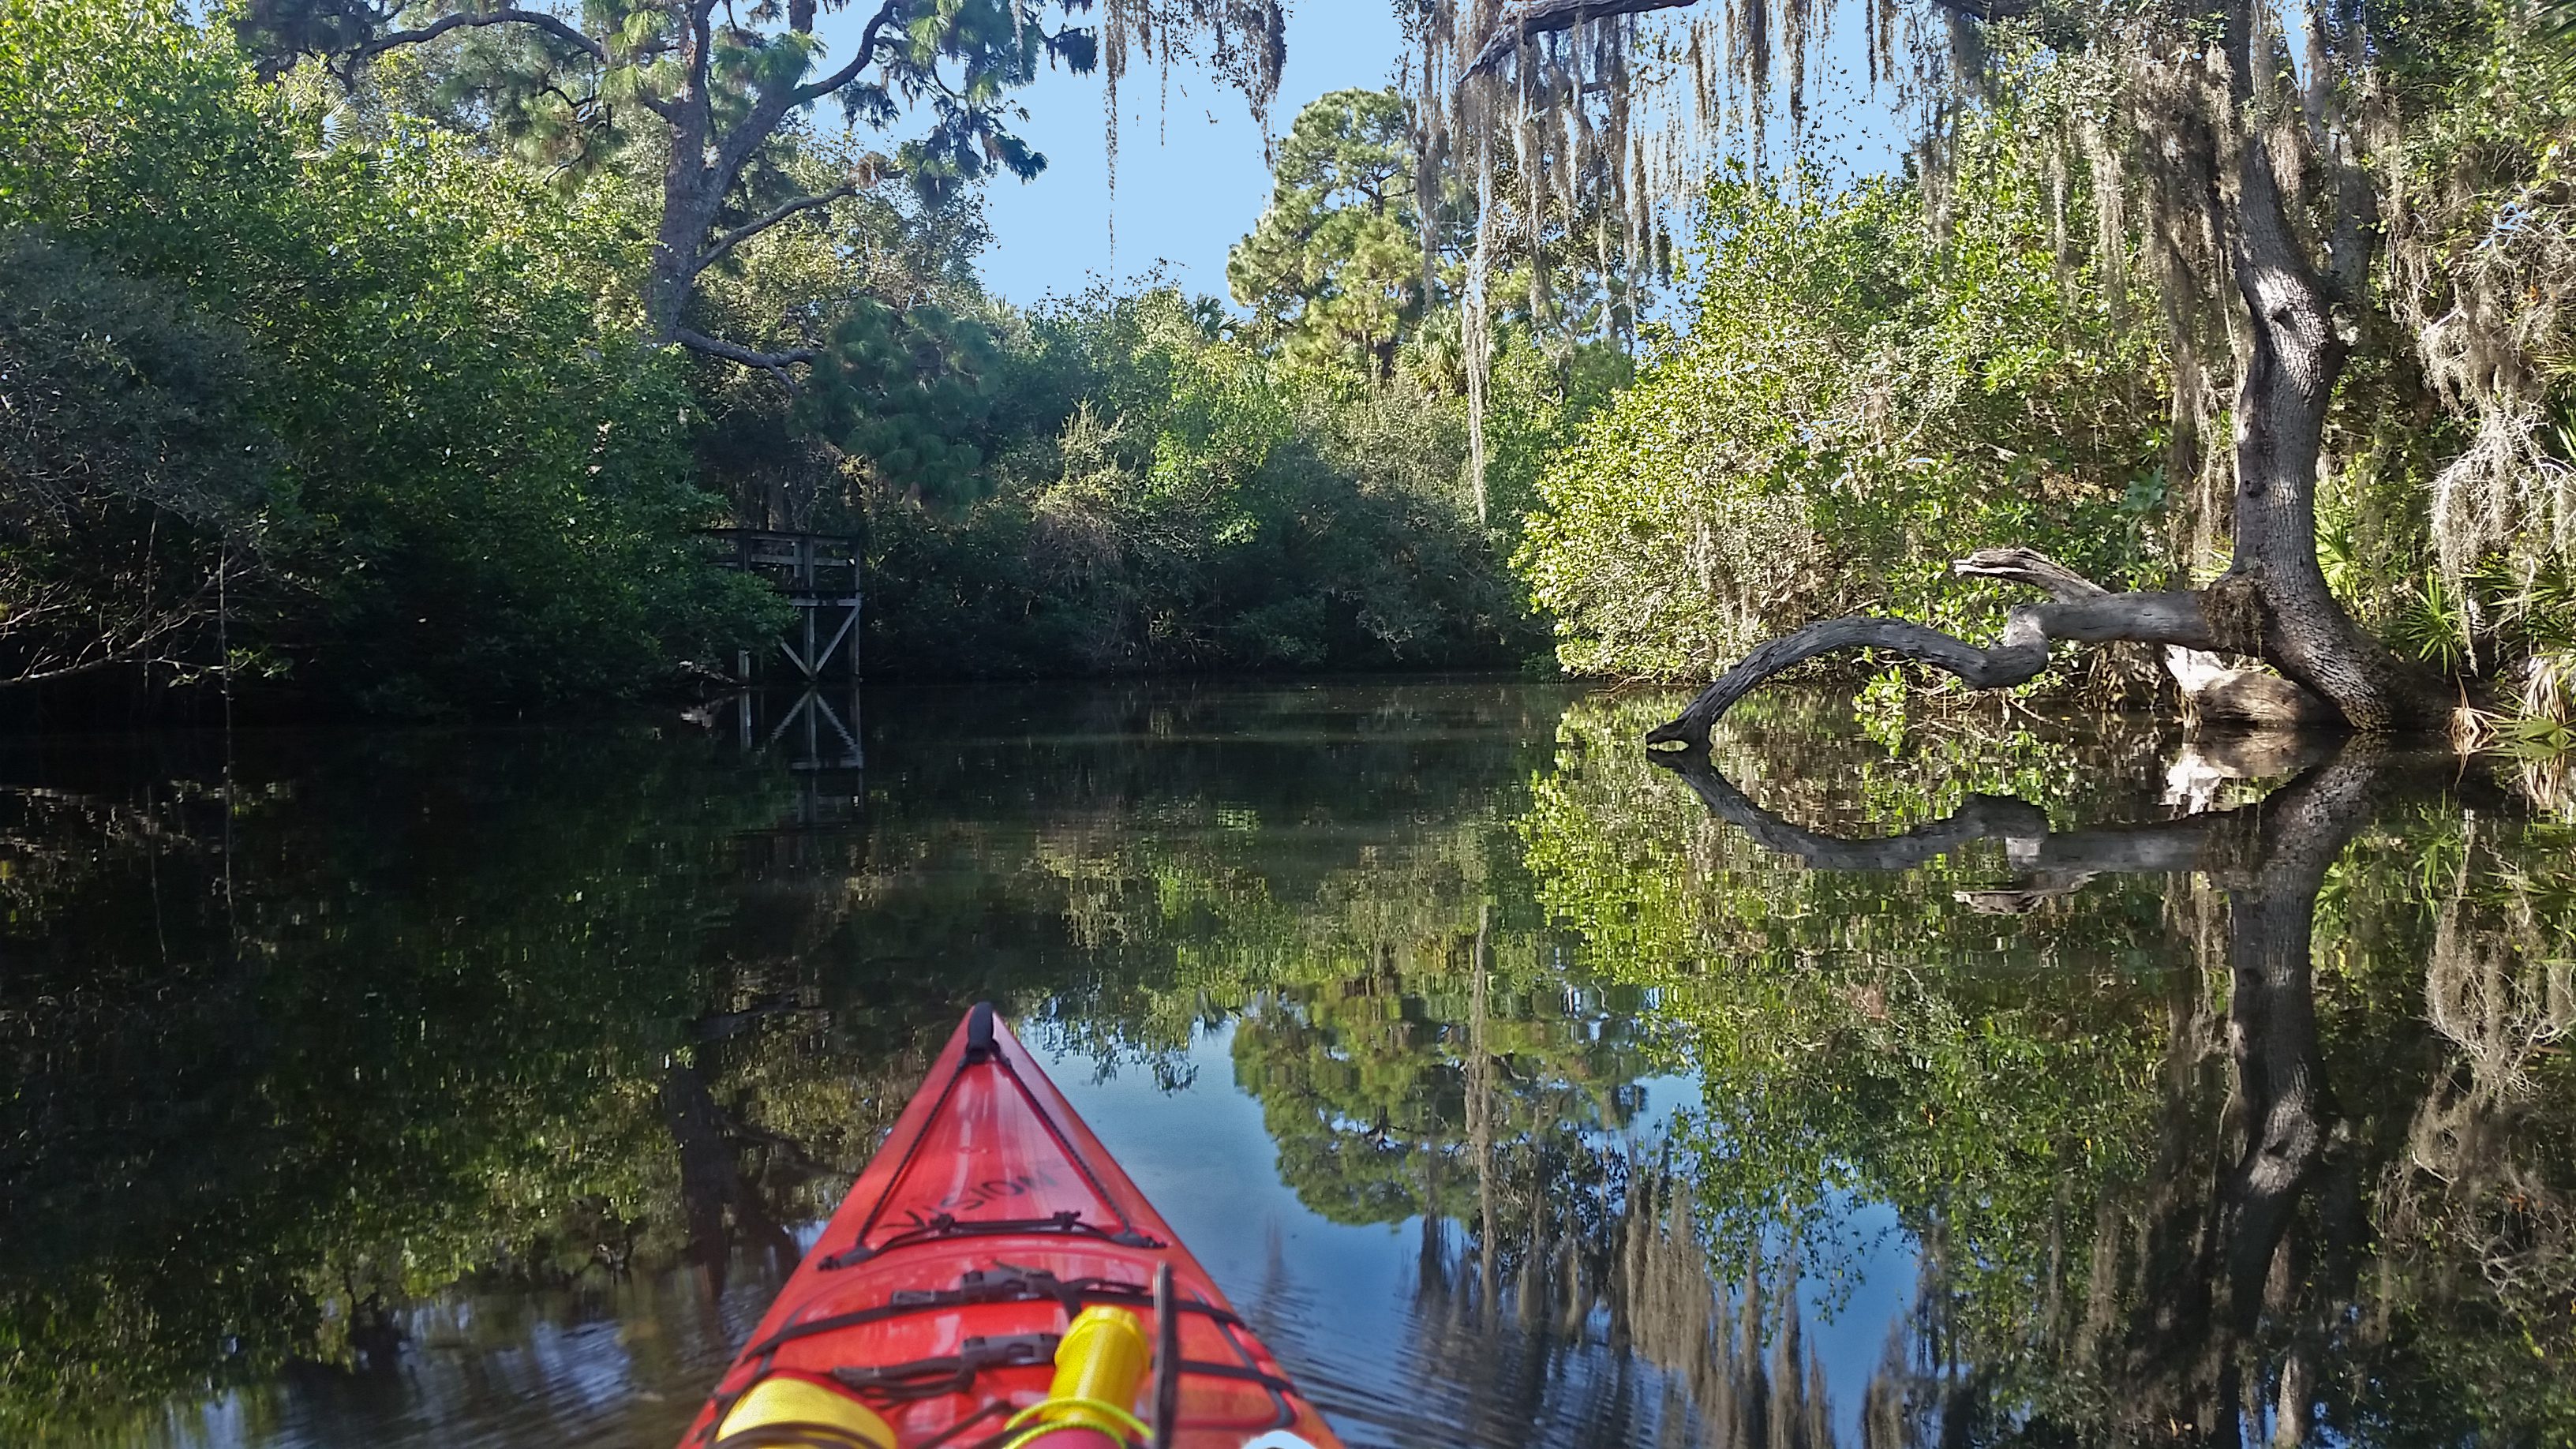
(718, 1025)
(2226, 845)
(2056, 861)
(785, 1153)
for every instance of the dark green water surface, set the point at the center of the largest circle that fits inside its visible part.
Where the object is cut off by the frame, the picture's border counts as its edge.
(2043, 1082)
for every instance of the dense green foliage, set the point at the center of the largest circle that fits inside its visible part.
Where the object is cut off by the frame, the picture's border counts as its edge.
(1169, 498)
(1136, 481)
(479, 490)
(1856, 402)
(1335, 262)
(410, 455)
(134, 467)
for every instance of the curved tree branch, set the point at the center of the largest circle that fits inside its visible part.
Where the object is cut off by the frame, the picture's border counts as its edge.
(2157, 618)
(736, 352)
(2079, 611)
(867, 49)
(1542, 16)
(734, 148)
(554, 25)
(716, 249)
(1990, 9)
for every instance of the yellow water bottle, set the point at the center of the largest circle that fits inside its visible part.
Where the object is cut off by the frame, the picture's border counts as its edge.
(1098, 1366)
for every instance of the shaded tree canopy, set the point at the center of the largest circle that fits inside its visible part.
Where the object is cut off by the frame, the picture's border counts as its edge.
(404, 451)
(134, 472)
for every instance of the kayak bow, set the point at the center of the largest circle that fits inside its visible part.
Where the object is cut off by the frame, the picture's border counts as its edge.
(989, 1283)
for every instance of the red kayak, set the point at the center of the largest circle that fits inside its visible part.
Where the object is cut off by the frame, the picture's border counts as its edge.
(994, 1281)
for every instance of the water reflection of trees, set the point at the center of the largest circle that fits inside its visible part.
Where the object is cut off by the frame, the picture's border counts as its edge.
(1424, 1050)
(293, 1044)
(418, 1013)
(561, 1012)
(2324, 1192)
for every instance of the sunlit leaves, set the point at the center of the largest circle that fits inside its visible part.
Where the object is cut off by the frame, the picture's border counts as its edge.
(1334, 265)
(1867, 390)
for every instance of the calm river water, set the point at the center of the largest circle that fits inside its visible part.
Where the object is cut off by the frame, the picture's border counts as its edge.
(2030, 1081)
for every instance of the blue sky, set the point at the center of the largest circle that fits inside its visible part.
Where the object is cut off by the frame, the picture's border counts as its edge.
(1191, 179)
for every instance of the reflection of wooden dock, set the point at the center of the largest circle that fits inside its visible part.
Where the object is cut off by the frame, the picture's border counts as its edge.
(816, 736)
(819, 574)
(829, 739)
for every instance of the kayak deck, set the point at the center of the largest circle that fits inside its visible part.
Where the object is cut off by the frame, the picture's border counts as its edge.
(988, 1220)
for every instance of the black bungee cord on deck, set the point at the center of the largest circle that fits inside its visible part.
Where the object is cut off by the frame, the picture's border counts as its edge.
(982, 1049)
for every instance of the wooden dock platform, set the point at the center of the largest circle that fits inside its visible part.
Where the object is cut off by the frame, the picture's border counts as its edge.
(819, 574)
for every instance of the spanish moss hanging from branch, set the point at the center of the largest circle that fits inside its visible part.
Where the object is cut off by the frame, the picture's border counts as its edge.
(1596, 126)
(1244, 43)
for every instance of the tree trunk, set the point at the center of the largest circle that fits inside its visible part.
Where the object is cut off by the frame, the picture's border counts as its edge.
(691, 196)
(2273, 599)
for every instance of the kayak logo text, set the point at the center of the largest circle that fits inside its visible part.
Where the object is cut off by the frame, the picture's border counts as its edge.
(991, 1189)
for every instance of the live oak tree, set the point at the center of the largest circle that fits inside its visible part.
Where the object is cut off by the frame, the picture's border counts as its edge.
(2255, 202)
(719, 82)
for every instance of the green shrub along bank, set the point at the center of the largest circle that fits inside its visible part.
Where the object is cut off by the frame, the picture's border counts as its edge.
(1858, 401)
(383, 386)
(1173, 500)
(1133, 479)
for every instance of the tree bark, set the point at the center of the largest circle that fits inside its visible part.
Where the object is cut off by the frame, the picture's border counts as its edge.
(2288, 614)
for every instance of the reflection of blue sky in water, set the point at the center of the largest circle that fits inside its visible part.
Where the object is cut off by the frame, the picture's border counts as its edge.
(1335, 1301)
